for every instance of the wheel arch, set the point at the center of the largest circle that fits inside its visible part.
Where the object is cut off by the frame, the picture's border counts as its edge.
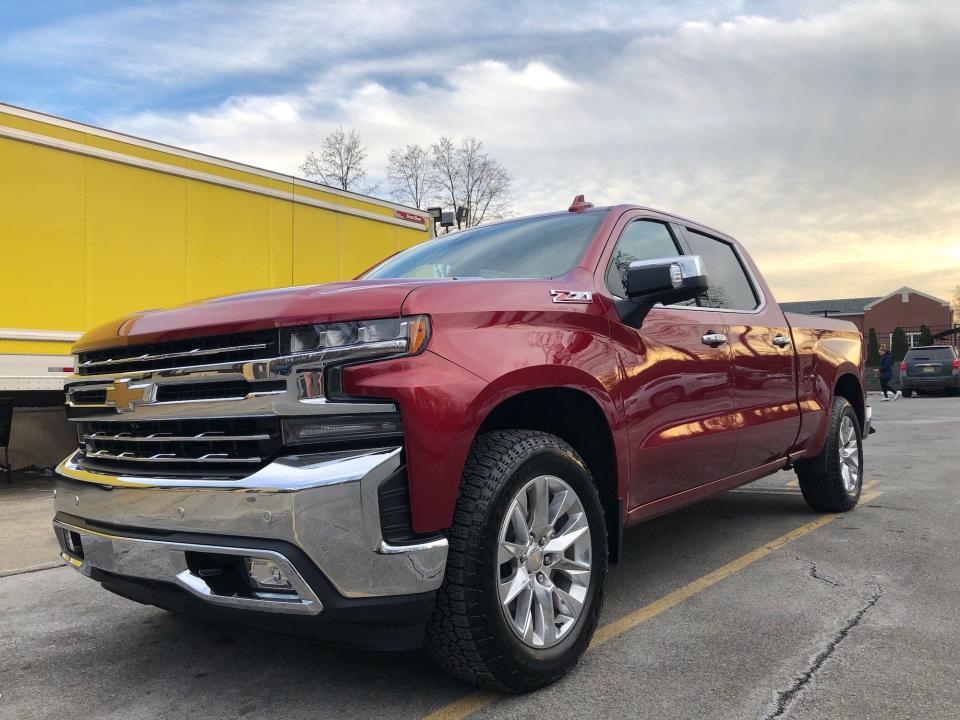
(574, 415)
(849, 387)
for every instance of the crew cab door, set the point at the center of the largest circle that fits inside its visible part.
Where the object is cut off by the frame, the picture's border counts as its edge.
(677, 377)
(764, 362)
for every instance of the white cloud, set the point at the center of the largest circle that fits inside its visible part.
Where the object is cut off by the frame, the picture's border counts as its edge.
(825, 142)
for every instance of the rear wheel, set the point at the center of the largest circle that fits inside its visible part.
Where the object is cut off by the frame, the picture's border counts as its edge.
(832, 481)
(525, 571)
(907, 392)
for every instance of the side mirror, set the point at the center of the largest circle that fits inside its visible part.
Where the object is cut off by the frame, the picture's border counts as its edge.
(667, 280)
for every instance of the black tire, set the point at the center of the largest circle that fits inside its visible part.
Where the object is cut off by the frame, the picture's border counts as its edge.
(821, 478)
(468, 634)
(907, 393)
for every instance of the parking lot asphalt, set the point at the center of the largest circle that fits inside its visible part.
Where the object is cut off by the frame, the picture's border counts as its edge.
(25, 538)
(748, 605)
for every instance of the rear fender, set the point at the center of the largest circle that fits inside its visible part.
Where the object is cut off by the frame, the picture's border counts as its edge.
(817, 410)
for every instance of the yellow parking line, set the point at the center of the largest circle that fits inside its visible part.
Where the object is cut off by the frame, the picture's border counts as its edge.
(866, 485)
(608, 632)
(469, 704)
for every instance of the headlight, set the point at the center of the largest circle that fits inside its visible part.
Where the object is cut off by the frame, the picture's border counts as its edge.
(389, 336)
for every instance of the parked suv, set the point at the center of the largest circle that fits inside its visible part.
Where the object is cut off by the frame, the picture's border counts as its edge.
(930, 368)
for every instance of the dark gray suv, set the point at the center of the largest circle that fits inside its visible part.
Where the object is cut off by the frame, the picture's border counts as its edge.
(935, 367)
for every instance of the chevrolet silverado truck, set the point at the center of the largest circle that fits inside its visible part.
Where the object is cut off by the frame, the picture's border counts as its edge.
(446, 450)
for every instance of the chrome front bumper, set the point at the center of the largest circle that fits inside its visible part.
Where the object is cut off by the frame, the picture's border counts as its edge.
(324, 504)
(158, 560)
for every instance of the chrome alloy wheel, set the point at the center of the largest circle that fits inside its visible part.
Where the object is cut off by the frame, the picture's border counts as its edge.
(849, 451)
(543, 561)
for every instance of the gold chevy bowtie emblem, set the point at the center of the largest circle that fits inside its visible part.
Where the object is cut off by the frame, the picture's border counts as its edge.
(123, 397)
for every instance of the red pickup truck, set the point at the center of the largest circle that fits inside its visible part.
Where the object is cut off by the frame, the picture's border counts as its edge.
(447, 449)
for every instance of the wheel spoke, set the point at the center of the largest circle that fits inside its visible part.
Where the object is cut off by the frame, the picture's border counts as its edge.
(576, 570)
(525, 626)
(854, 467)
(575, 527)
(509, 551)
(561, 502)
(511, 588)
(573, 605)
(539, 513)
(518, 519)
(544, 617)
(522, 616)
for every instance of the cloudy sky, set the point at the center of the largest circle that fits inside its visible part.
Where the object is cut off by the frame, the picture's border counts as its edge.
(824, 135)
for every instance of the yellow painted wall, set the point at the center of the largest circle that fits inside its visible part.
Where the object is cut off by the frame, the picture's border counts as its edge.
(85, 239)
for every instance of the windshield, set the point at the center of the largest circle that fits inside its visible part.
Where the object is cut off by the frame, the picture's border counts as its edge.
(533, 248)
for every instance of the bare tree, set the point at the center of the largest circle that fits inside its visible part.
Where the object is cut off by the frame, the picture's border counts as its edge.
(339, 162)
(468, 177)
(955, 303)
(411, 175)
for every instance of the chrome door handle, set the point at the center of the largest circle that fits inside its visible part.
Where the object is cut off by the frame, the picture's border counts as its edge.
(781, 341)
(714, 339)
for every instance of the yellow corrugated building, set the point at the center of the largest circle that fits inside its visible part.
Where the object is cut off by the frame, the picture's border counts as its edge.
(95, 224)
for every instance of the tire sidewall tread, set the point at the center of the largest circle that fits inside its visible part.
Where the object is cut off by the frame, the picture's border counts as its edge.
(467, 633)
(820, 477)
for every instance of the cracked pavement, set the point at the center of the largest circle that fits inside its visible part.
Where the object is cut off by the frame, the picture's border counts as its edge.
(857, 619)
(786, 697)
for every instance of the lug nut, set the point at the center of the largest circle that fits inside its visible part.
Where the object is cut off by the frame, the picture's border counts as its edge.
(548, 560)
(543, 541)
(540, 577)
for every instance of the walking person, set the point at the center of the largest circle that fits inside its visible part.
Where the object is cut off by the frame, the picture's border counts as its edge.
(885, 373)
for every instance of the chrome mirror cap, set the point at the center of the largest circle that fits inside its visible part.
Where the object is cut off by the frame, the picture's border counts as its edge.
(666, 279)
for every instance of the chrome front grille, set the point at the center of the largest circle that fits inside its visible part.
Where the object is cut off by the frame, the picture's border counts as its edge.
(239, 389)
(230, 447)
(210, 408)
(180, 353)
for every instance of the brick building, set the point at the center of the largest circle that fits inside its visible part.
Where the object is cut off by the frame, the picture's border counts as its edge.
(906, 308)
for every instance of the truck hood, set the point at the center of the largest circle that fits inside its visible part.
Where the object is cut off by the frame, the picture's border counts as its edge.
(355, 300)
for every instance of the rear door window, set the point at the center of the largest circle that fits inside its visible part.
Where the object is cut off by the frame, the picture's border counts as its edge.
(730, 287)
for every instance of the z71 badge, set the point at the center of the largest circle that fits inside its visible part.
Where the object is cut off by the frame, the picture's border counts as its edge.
(572, 296)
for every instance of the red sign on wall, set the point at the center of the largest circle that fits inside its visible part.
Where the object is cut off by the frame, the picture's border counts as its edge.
(412, 217)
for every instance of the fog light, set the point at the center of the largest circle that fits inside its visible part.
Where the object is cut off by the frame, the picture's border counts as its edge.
(299, 431)
(74, 543)
(266, 574)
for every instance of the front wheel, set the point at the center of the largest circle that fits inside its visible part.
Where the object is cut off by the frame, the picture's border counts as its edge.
(527, 561)
(832, 481)
(907, 393)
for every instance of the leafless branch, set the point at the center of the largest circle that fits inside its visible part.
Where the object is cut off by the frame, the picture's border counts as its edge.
(339, 162)
(468, 177)
(411, 175)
